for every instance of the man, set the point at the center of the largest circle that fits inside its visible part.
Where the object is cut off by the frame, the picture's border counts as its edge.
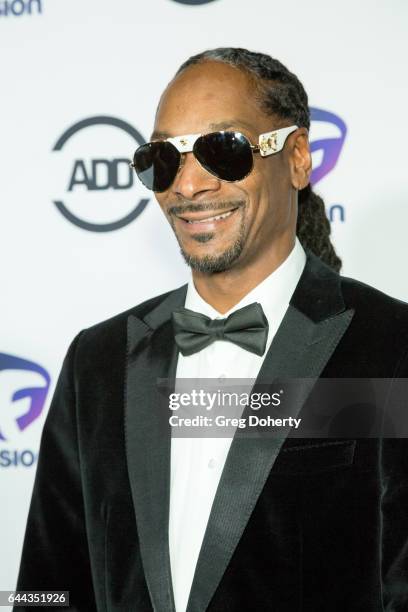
(128, 517)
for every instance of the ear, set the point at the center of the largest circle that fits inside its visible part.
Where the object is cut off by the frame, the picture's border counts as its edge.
(300, 159)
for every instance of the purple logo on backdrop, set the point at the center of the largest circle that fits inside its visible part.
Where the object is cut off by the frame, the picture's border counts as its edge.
(36, 395)
(331, 147)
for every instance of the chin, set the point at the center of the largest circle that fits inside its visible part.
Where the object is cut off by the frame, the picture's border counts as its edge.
(211, 261)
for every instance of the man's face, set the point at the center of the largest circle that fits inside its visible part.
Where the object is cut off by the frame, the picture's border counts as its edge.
(221, 225)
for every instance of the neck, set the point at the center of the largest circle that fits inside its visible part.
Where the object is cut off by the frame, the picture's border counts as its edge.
(225, 289)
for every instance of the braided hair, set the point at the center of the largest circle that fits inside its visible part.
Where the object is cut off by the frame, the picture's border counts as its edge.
(279, 92)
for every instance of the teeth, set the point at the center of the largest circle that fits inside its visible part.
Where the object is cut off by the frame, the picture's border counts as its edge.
(223, 216)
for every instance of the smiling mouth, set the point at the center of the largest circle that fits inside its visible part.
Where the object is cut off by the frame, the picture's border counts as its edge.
(199, 218)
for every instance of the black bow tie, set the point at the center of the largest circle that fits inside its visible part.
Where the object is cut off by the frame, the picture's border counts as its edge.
(246, 327)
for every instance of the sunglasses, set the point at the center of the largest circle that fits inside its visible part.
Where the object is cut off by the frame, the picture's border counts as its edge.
(226, 155)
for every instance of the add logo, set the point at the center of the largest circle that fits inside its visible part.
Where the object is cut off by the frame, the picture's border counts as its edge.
(23, 391)
(329, 148)
(97, 185)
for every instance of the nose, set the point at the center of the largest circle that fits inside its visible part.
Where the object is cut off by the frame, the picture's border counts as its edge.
(192, 181)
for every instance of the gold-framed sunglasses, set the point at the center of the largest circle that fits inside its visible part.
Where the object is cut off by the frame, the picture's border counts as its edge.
(228, 155)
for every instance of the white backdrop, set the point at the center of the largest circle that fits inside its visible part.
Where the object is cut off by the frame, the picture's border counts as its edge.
(69, 61)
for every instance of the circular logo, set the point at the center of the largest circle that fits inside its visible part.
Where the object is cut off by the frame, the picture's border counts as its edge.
(92, 177)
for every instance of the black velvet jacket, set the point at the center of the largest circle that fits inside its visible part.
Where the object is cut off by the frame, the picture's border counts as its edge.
(297, 524)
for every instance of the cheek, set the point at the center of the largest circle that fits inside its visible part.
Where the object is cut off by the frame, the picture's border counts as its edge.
(266, 194)
(270, 184)
(270, 176)
(258, 187)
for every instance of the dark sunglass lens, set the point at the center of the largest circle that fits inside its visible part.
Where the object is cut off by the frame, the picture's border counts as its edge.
(156, 165)
(228, 155)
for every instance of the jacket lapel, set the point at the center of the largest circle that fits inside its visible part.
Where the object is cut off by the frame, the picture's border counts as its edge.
(151, 354)
(307, 337)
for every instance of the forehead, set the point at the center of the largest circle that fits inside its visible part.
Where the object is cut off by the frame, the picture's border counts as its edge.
(211, 95)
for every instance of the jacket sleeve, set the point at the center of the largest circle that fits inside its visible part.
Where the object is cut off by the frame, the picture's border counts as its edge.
(55, 550)
(394, 508)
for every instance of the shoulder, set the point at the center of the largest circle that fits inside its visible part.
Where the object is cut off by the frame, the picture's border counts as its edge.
(319, 281)
(379, 327)
(374, 304)
(322, 292)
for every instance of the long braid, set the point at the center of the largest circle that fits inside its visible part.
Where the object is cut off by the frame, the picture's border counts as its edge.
(313, 228)
(280, 93)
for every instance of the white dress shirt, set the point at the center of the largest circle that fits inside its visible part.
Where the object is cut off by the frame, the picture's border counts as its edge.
(197, 463)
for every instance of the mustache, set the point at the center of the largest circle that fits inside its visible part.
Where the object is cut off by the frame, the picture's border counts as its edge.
(203, 206)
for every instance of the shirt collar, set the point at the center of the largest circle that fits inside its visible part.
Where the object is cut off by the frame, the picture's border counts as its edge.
(273, 293)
